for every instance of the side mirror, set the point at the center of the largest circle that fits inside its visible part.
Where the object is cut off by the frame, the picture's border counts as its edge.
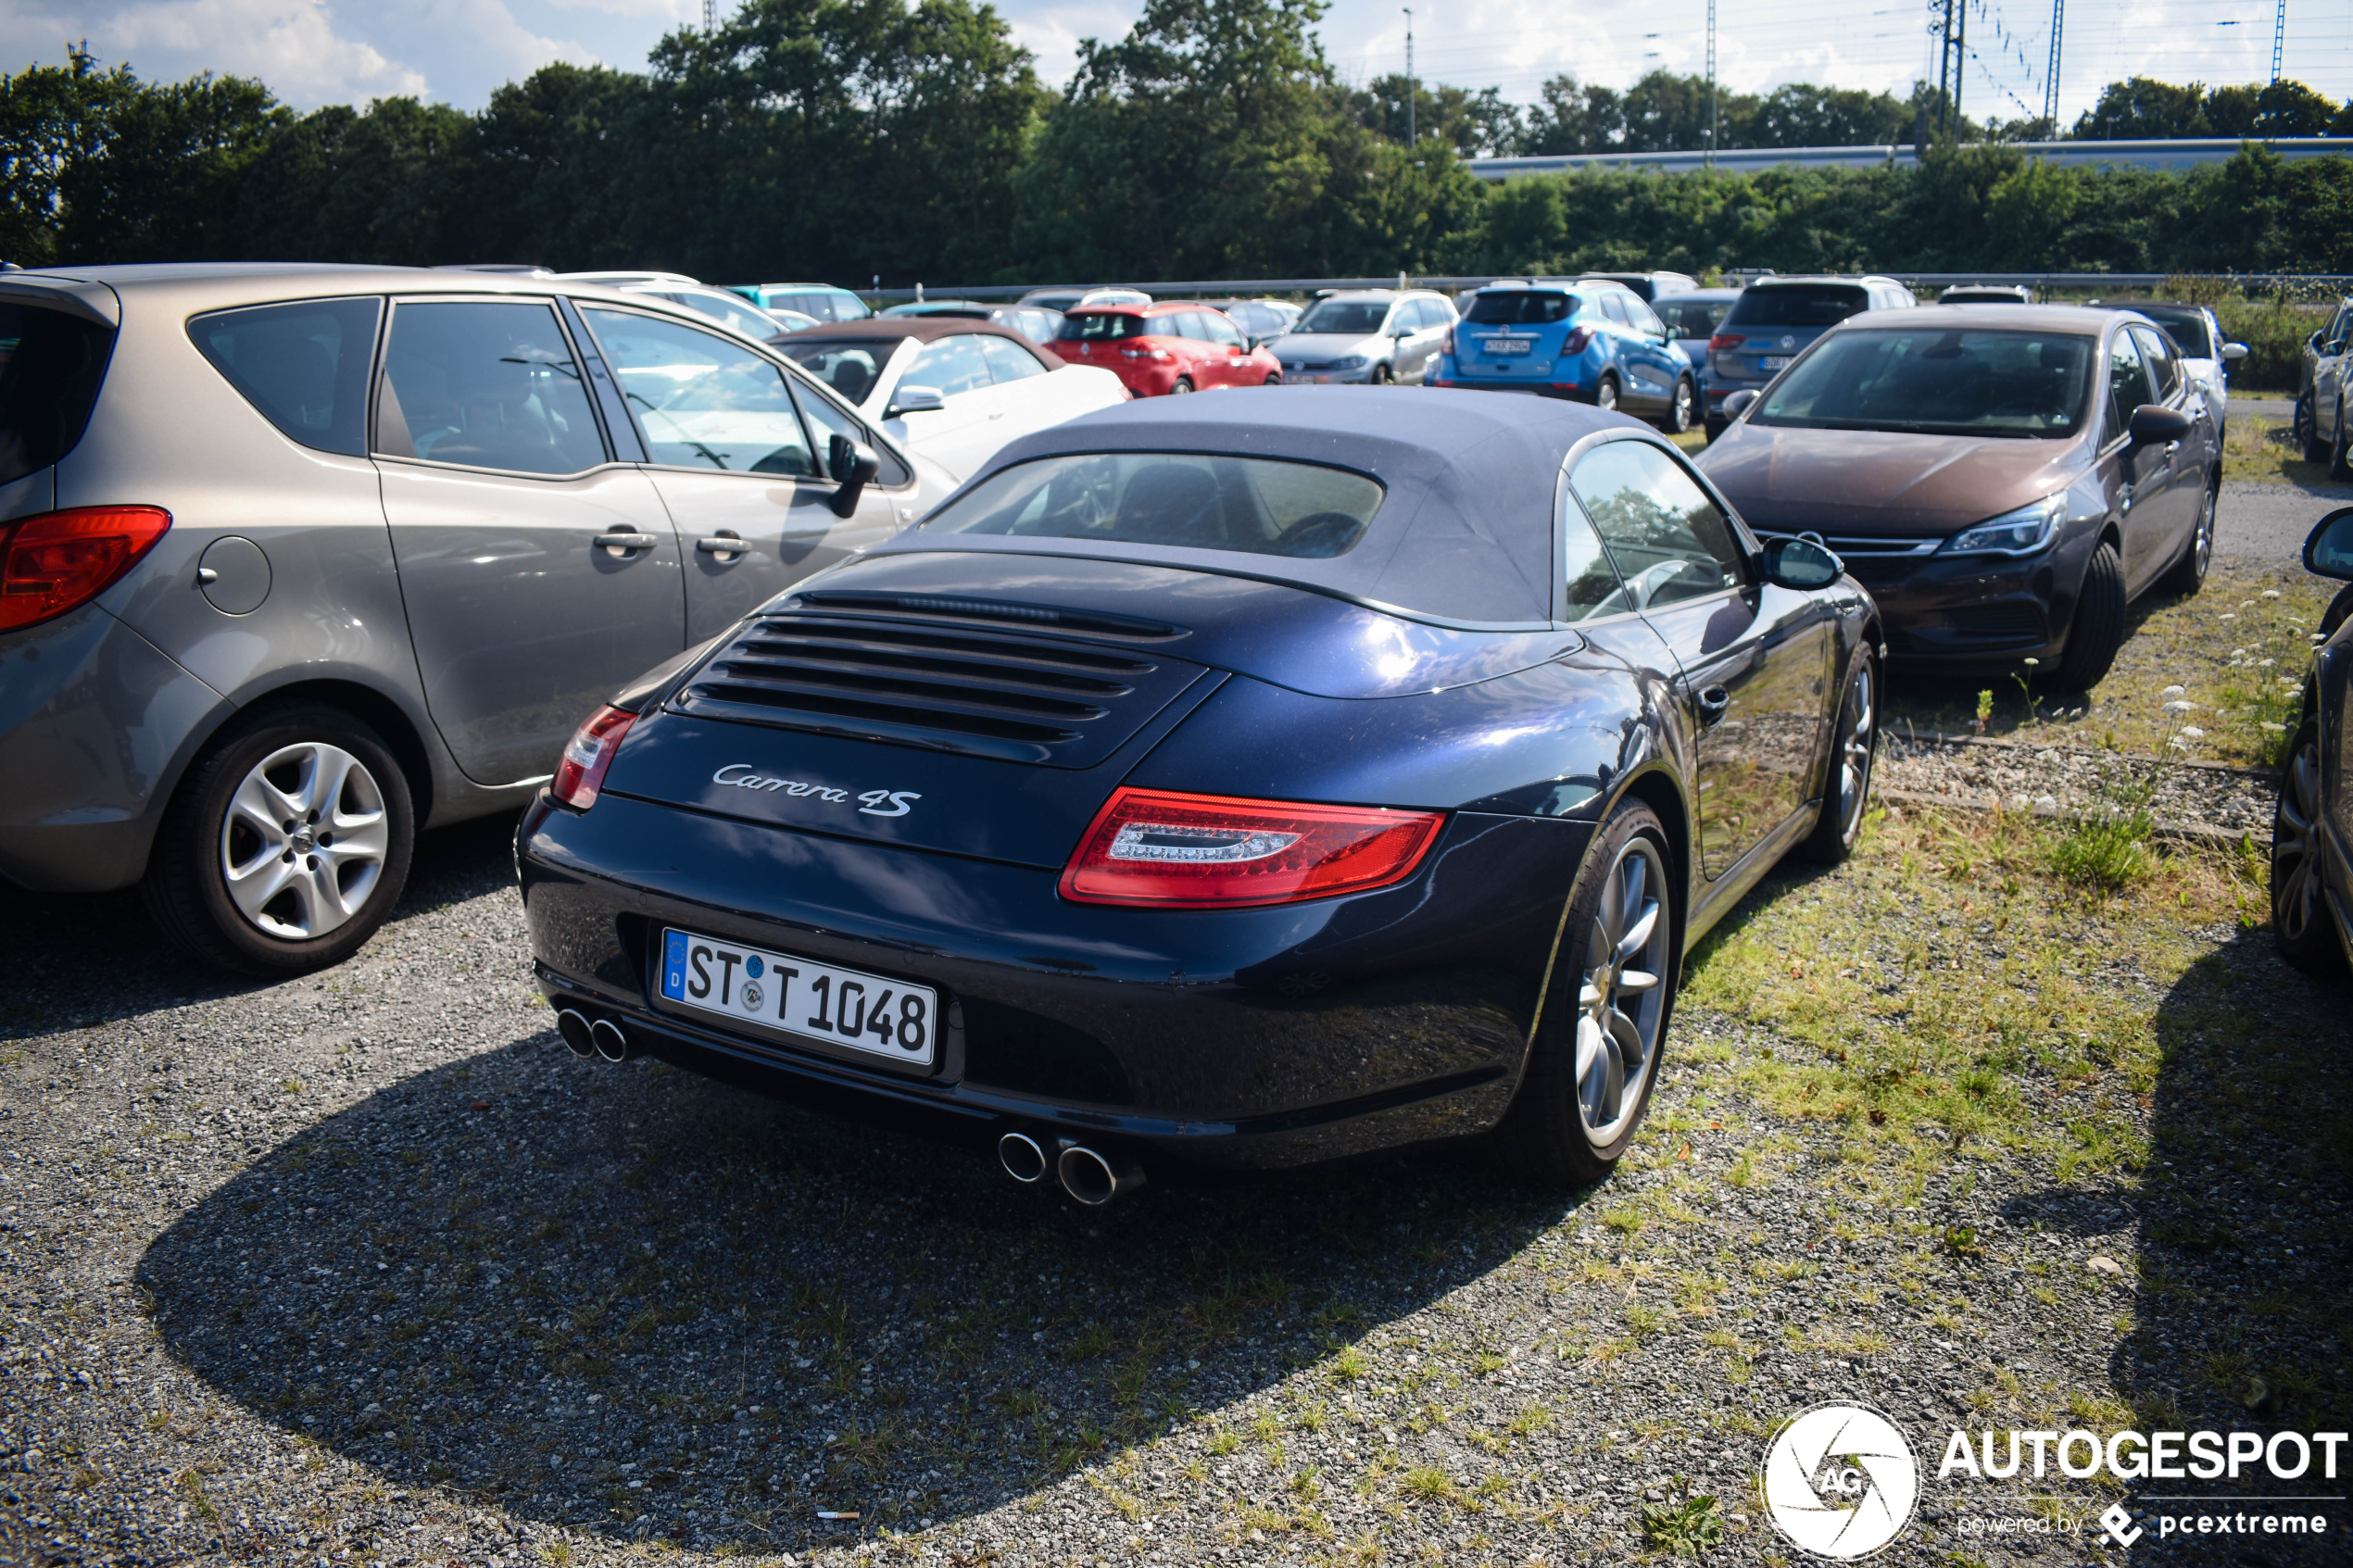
(853, 466)
(1801, 564)
(2235, 352)
(915, 400)
(2329, 550)
(2156, 425)
(1739, 403)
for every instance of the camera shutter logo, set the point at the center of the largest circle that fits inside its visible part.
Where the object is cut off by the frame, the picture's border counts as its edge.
(1839, 1481)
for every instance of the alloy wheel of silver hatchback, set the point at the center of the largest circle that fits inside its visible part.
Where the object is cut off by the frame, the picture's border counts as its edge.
(304, 840)
(2295, 866)
(2202, 546)
(1860, 722)
(1621, 1003)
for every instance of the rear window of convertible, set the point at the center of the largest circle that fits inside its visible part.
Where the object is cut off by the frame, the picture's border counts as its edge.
(1263, 506)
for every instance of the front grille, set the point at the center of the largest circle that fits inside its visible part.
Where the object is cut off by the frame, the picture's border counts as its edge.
(982, 692)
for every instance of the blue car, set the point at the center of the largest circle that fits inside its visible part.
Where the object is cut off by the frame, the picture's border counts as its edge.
(1241, 781)
(1594, 341)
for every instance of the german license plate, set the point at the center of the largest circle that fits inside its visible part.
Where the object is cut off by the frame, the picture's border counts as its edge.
(837, 1006)
(1772, 361)
(1510, 344)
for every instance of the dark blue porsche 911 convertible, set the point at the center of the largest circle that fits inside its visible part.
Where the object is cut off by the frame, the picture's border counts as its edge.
(1238, 781)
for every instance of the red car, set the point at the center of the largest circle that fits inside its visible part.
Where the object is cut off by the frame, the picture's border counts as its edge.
(1167, 347)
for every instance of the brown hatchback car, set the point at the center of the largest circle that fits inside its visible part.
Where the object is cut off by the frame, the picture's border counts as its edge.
(2004, 479)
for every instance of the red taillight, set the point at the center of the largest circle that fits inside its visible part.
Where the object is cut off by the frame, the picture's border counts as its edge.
(1723, 341)
(1448, 347)
(55, 561)
(1205, 851)
(581, 772)
(1577, 339)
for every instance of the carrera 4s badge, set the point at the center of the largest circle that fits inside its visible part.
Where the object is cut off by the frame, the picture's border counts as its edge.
(874, 802)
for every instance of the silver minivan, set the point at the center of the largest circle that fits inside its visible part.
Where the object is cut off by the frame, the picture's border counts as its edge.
(295, 561)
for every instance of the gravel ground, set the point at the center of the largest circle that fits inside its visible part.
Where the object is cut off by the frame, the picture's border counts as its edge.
(2259, 522)
(365, 1268)
(2020, 776)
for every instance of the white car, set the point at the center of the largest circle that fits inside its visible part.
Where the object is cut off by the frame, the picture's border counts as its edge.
(2206, 358)
(948, 388)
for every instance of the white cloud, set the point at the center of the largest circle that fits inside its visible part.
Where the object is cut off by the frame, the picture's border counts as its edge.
(291, 44)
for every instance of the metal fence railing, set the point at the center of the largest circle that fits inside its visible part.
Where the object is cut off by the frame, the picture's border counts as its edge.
(1198, 288)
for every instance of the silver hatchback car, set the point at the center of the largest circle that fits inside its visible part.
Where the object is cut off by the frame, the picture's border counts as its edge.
(295, 561)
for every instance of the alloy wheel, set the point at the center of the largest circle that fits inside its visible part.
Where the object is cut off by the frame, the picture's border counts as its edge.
(1860, 722)
(1621, 1003)
(2295, 866)
(1605, 394)
(2202, 546)
(304, 841)
(1683, 400)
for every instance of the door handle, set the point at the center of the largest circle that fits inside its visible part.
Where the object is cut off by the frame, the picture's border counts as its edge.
(723, 544)
(622, 544)
(1713, 702)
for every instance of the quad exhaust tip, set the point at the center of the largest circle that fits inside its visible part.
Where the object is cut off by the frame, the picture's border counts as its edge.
(578, 1033)
(611, 1042)
(1021, 1156)
(1095, 1179)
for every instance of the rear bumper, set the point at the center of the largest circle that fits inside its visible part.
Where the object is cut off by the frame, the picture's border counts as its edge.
(1237, 1038)
(1445, 370)
(95, 722)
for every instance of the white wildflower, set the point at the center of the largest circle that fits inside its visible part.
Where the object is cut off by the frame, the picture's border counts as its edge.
(2033, 662)
(2169, 693)
(2178, 743)
(2047, 803)
(2246, 604)
(2181, 708)
(2265, 663)
(2192, 733)
(2238, 653)
(2230, 617)
(2271, 593)
(2274, 729)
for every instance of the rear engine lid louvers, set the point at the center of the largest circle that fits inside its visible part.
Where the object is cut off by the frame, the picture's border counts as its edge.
(931, 677)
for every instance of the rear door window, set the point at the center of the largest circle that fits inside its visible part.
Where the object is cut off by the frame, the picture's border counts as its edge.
(701, 401)
(1614, 306)
(1100, 326)
(2128, 385)
(1009, 361)
(1798, 304)
(950, 365)
(2156, 353)
(490, 385)
(303, 367)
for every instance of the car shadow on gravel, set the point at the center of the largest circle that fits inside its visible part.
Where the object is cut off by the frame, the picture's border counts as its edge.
(81, 960)
(630, 1300)
(2240, 1281)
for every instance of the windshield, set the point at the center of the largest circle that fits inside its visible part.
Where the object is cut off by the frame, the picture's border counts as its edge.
(2186, 328)
(1944, 382)
(1098, 326)
(1259, 505)
(848, 365)
(1356, 318)
(1521, 308)
(1798, 304)
(1692, 318)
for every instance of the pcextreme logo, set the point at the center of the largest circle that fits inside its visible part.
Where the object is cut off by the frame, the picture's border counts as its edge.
(1839, 1481)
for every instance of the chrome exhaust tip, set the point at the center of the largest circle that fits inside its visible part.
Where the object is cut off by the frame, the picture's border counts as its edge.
(578, 1033)
(1021, 1156)
(611, 1043)
(1095, 1179)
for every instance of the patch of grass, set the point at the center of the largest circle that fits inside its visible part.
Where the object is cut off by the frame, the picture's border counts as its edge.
(2108, 849)
(1684, 1527)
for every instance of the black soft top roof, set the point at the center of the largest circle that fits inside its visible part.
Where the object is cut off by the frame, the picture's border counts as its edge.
(1464, 529)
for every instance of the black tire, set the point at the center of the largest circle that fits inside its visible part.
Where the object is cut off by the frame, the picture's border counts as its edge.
(1384, 376)
(2301, 925)
(1274, 378)
(1605, 392)
(1681, 408)
(1545, 1135)
(187, 888)
(1846, 782)
(2308, 431)
(2098, 630)
(1184, 383)
(2341, 449)
(2188, 574)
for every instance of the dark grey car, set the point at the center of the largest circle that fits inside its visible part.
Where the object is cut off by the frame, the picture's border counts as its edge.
(299, 559)
(1774, 320)
(2312, 829)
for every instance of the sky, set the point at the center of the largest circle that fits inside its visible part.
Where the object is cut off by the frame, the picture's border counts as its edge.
(313, 52)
